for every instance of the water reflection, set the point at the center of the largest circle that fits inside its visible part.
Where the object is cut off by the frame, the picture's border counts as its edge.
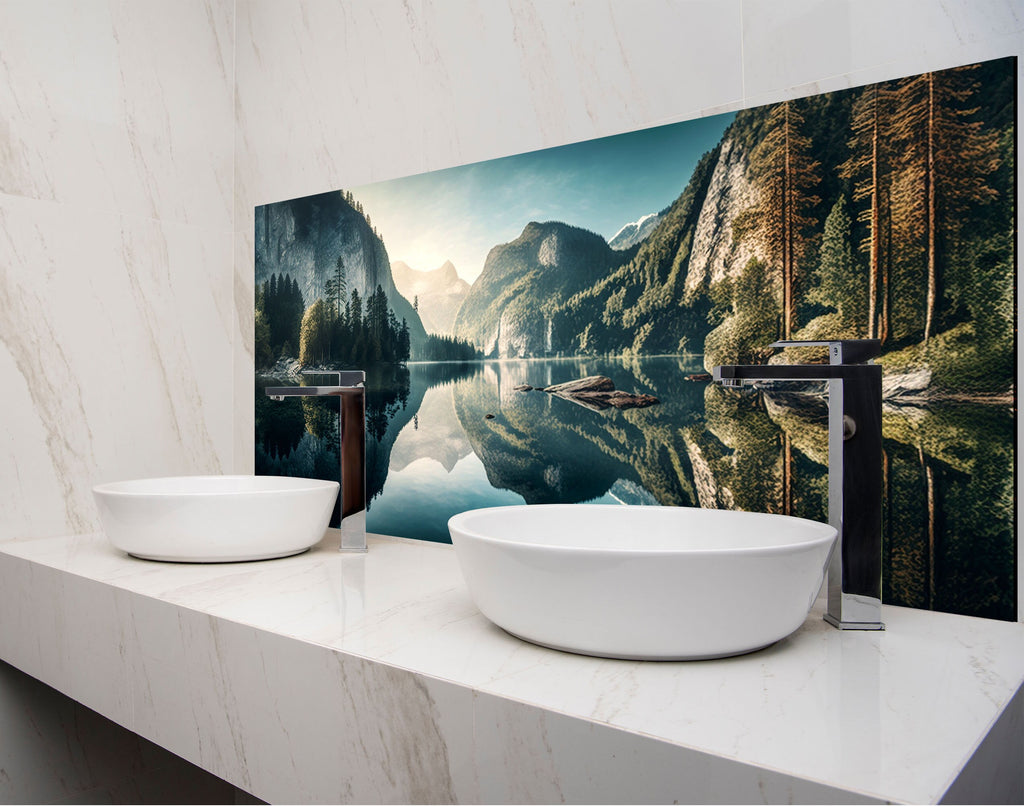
(451, 437)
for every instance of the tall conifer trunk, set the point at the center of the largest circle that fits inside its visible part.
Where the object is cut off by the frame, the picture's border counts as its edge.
(787, 238)
(929, 189)
(873, 270)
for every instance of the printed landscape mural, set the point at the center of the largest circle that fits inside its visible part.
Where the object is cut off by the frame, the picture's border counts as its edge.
(538, 328)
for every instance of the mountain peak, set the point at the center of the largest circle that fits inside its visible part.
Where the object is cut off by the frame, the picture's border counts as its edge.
(438, 293)
(634, 232)
(448, 272)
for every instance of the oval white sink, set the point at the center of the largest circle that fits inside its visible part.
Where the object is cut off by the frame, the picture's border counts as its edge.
(209, 519)
(651, 583)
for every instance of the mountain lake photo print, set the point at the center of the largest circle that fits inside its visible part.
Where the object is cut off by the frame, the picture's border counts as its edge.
(540, 328)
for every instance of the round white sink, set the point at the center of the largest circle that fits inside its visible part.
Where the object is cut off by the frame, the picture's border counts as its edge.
(651, 583)
(208, 519)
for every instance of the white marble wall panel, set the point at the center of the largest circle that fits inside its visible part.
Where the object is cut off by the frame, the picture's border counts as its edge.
(119, 106)
(116, 250)
(341, 94)
(799, 47)
(114, 345)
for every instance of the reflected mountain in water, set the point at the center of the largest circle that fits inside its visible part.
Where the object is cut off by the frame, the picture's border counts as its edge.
(434, 432)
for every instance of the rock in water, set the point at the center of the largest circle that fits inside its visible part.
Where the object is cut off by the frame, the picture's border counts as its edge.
(597, 393)
(592, 383)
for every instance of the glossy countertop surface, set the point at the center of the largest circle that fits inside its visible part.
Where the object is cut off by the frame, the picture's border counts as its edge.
(892, 715)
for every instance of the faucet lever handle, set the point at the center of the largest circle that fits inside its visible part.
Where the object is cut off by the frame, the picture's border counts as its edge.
(352, 377)
(840, 351)
(335, 373)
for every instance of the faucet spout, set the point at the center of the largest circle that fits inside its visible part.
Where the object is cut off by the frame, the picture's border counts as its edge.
(351, 391)
(854, 469)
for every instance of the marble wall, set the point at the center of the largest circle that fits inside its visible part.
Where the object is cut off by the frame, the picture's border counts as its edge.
(116, 299)
(116, 317)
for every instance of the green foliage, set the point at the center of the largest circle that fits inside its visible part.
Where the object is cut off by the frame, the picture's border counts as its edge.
(279, 311)
(356, 337)
(263, 353)
(315, 334)
(448, 348)
(751, 319)
(643, 306)
(335, 290)
(961, 362)
(526, 283)
(781, 224)
(840, 281)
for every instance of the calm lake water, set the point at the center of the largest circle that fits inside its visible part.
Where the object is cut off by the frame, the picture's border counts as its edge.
(444, 438)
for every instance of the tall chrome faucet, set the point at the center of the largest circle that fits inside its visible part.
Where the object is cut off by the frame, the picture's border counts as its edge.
(351, 393)
(854, 469)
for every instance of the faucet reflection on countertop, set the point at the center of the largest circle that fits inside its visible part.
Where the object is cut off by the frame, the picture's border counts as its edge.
(854, 469)
(350, 390)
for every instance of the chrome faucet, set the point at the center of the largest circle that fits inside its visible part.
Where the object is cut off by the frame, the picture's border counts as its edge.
(854, 469)
(351, 393)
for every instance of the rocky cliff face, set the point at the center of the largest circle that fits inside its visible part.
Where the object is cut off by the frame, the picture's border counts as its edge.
(715, 254)
(305, 238)
(439, 293)
(509, 308)
(560, 289)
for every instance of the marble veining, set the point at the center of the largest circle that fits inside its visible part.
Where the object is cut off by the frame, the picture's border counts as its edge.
(96, 364)
(327, 661)
(116, 229)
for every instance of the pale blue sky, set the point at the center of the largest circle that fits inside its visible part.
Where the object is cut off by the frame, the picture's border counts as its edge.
(459, 214)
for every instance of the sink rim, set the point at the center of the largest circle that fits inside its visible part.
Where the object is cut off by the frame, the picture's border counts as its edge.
(826, 533)
(261, 485)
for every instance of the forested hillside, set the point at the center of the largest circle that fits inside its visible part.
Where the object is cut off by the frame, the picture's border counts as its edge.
(885, 212)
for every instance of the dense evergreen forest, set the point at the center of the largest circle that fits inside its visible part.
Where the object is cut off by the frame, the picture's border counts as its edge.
(885, 212)
(336, 329)
(448, 348)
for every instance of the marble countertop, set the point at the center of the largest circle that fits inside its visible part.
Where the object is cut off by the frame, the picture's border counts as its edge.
(822, 715)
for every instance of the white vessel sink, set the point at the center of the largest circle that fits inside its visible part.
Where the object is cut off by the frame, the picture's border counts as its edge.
(651, 583)
(209, 519)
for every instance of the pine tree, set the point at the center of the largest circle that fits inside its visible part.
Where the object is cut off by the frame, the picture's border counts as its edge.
(335, 290)
(948, 157)
(355, 324)
(404, 346)
(785, 174)
(869, 165)
(842, 284)
(376, 324)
